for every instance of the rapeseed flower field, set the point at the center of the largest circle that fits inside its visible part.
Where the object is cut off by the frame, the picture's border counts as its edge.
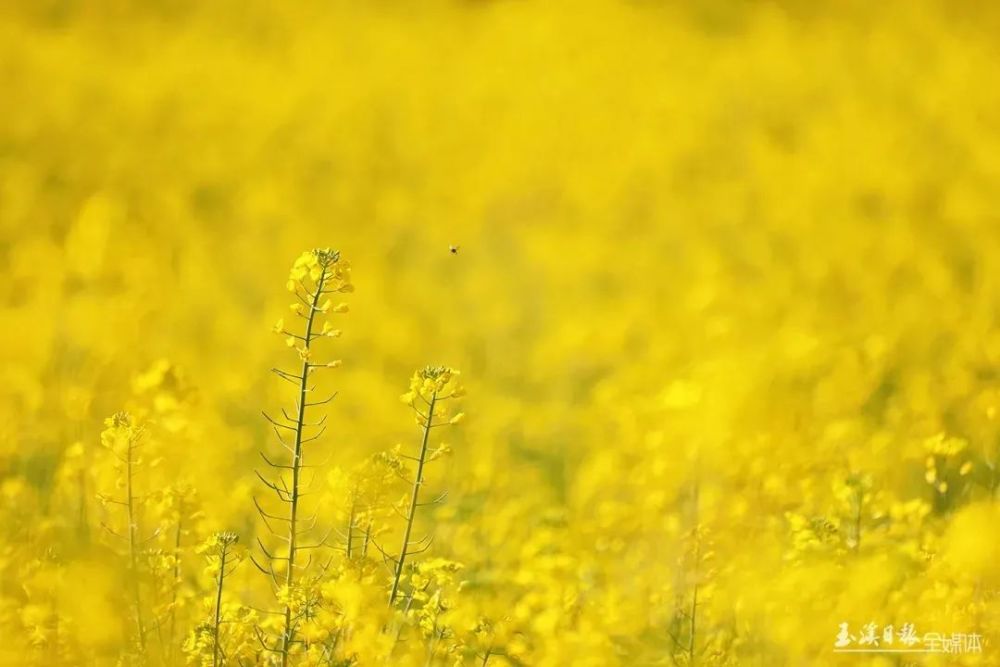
(499, 332)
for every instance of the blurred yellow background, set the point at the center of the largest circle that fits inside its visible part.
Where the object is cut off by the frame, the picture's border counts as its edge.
(725, 302)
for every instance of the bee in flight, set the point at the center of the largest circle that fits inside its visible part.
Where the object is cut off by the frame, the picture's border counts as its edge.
(453, 249)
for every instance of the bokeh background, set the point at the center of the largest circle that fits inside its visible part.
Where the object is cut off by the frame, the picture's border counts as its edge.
(725, 302)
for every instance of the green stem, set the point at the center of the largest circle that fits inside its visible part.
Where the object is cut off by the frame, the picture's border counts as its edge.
(133, 530)
(697, 558)
(417, 482)
(218, 606)
(82, 525)
(176, 584)
(350, 528)
(286, 636)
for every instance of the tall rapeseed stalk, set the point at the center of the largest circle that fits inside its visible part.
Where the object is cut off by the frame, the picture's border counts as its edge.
(430, 388)
(315, 277)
